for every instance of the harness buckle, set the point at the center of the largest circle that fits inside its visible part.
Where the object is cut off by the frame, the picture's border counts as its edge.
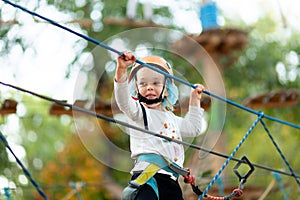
(178, 170)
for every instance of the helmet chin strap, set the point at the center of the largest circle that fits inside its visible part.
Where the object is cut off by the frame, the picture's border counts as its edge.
(151, 101)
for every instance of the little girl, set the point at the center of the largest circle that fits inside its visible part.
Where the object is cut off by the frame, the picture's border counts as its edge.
(147, 97)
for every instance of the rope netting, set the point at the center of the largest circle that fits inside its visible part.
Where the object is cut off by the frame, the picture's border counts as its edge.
(260, 116)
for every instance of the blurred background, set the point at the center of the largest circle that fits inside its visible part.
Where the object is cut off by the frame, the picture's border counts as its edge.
(255, 46)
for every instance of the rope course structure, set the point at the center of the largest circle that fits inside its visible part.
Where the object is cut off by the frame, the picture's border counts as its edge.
(236, 193)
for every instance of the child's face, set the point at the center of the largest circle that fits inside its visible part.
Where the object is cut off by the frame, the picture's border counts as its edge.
(150, 83)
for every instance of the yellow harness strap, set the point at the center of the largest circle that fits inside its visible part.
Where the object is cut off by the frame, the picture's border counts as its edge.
(148, 172)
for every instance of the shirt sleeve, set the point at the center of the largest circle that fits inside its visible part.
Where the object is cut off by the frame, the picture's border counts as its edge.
(191, 125)
(125, 102)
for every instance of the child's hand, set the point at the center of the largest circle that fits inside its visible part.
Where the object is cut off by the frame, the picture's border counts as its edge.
(123, 62)
(195, 96)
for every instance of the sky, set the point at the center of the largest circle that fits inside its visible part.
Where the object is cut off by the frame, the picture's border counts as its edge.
(41, 68)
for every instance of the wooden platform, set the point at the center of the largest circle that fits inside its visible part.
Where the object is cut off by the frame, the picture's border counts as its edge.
(222, 40)
(112, 21)
(273, 99)
(217, 43)
(9, 106)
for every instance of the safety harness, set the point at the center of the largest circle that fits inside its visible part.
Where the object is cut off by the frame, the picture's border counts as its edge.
(156, 163)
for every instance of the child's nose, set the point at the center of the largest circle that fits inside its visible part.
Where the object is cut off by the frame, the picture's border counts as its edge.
(149, 86)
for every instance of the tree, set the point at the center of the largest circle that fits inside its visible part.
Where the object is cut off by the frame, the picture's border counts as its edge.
(50, 142)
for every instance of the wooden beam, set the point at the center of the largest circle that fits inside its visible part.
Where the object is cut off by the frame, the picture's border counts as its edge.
(218, 41)
(84, 23)
(9, 106)
(56, 109)
(274, 99)
(110, 108)
(8, 23)
(129, 22)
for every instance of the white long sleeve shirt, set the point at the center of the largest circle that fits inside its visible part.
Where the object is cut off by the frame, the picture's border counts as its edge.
(162, 122)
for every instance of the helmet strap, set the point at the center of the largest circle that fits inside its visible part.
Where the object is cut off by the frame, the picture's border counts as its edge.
(151, 101)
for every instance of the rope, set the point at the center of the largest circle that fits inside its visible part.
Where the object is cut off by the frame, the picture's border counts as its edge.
(235, 193)
(260, 115)
(267, 191)
(26, 172)
(150, 66)
(280, 152)
(231, 156)
(76, 188)
(7, 194)
(104, 117)
(279, 180)
(221, 186)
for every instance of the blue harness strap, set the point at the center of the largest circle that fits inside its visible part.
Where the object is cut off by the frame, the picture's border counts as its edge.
(156, 162)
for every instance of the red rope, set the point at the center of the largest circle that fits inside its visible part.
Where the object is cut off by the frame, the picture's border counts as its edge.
(238, 192)
(190, 179)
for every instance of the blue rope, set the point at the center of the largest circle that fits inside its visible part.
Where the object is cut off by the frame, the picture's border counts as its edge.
(109, 119)
(150, 66)
(26, 172)
(221, 186)
(74, 187)
(63, 27)
(251, 110)
(260, 116)
(280, 152)
(281, 187)
(7, 194)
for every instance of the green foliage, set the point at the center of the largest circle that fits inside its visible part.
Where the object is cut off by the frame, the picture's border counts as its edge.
(50, 133)
(45, 138)
(256, 72)
(40, 135)
(258, 62)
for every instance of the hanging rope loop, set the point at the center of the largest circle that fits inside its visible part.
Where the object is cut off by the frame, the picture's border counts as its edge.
(190, 179)
(236, 193)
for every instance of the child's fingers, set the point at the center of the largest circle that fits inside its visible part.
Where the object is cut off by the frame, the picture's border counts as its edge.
(200, 88)
(128, 56)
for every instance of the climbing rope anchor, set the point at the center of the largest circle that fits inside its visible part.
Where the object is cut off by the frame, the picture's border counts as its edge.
(239, 191)
(236, 192)
(243, 179)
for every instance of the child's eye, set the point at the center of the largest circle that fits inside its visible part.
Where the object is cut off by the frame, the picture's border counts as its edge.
(142, 84)
(157, 83)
